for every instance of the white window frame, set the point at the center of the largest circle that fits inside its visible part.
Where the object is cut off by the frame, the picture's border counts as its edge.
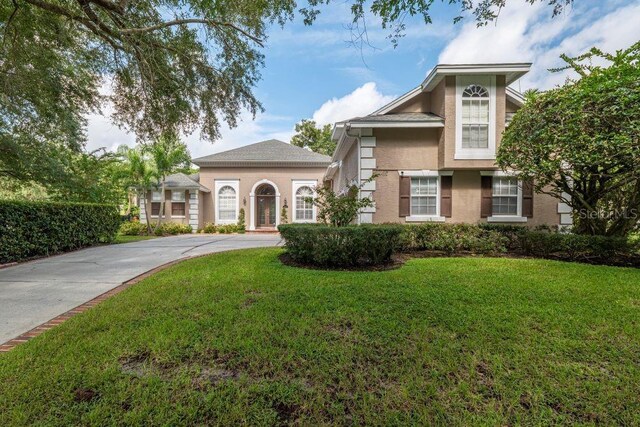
(219, 184)
(295, 186)
(489, 153)
(505, 218)
(155, 200)
(183, 200)
(428, 174)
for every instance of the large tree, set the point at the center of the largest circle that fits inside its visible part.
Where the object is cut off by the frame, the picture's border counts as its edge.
(318, 139)
(166, 66)
(580, 142)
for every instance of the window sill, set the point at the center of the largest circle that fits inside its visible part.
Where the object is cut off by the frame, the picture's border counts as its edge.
(226, 222)
(177, 216)
(304, 221)
(474, 155)
(424, 218)
(498, 218)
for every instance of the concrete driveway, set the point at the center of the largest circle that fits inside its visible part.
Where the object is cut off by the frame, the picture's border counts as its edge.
(37, 291)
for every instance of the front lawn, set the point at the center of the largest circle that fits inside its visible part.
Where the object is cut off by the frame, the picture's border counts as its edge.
(239, 338)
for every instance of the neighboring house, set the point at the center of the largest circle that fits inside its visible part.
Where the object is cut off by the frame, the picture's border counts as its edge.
(260, 178)
(433, 153)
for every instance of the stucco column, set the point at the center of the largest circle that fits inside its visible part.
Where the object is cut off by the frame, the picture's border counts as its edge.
(252, 211)
(143, 209)
(193, 210)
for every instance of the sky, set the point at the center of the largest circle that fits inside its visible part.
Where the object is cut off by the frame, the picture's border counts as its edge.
(315, 72)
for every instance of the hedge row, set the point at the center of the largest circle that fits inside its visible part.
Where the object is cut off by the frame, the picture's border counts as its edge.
(29, 229)
(374, 244)
(519, 240)
(341, 246)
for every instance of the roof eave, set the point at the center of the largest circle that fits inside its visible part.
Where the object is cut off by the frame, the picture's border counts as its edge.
(261, 163)
(513, 71)
(431, 124)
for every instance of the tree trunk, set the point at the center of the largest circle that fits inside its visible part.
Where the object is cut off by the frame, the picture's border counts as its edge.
(147, 208)
(162, 204)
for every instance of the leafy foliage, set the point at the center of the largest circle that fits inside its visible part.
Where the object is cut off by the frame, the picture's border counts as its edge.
(581, 140)
(346, 246)
(172, 229)
(133, 228)
(29, 229)
(317, 139)
(340, 209)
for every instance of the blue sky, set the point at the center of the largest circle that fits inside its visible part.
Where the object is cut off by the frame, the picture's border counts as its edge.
(314, 72)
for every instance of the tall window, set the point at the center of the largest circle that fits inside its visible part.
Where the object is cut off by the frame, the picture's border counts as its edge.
(156, 201)
(304, 206)
(424, 196)
(475, 117)
(227, 204)
(177, 203)
(505, 196)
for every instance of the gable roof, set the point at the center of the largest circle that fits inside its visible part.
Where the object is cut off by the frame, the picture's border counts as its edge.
(270, 153)
(182, 181)
(511, 71)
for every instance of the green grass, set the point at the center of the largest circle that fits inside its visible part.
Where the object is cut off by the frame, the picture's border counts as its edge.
(128, 239)
(239, 338)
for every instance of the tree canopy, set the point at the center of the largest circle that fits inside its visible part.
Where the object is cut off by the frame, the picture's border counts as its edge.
(579, 142)
(318, 139)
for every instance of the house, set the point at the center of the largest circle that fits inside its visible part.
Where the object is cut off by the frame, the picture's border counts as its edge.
(432, 152)
(262, 178)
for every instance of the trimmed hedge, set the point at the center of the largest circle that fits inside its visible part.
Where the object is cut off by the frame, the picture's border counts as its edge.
(30, 229)
(518, 240)
(349, 246)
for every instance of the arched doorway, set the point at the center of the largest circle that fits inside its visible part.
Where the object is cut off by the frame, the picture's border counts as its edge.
(266, 206)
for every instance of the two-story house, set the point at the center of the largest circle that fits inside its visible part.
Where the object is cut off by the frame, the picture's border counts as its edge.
(433, 153)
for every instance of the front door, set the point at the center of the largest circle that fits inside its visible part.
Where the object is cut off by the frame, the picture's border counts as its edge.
(266, 206)
(266, 211)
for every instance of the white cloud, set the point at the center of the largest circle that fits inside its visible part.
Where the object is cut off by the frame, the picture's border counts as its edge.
(527, 32)
(362, 101)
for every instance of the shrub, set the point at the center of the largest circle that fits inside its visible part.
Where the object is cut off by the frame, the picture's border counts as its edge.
(229, 229)
(241, 221)
(580, 247)
(453, 238)
(172, 229)
(132, 228)
(346, 246)
(29, 229)
(209, 228)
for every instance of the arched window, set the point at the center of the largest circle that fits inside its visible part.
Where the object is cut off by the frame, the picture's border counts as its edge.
(475, 117)
(227, 203)
(304, 206)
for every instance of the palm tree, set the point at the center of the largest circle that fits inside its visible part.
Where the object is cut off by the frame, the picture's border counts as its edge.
(168, 154)
(138, 175)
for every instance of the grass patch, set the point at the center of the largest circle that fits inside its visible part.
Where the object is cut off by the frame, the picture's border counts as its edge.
(128, 239)
(238, 337)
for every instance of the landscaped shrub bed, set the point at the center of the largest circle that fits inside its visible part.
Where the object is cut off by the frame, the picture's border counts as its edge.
(210, 228)
(30, 229)
(136, 228)
(322, 245)
(133, 228)
(349, 246)
(519, 240)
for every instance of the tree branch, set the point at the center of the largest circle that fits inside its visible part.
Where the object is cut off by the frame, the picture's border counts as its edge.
(175, 22)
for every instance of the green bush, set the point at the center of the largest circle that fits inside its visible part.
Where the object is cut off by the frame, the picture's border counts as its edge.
(241, 221)
(172, 228)
(452, 238)
(229, 229)
(346, 246)
(579, 247)
(209, 228)
(133, 228)
(29, 229)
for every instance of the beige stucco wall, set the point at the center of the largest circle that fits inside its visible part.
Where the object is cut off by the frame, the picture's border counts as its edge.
(349, 169)
(282, 178)
(465, 200)
(418, 104)
(167, 209)
(406, 148)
